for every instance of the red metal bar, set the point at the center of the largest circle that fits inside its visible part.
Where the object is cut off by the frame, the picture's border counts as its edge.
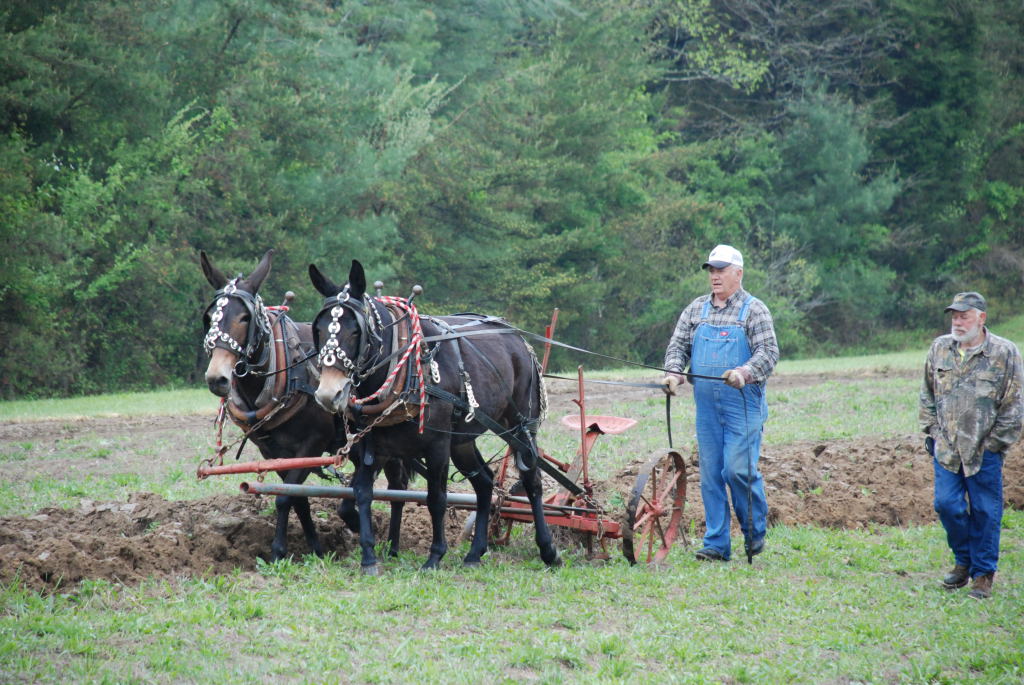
(586, 523)
(584, 447)
(549, 332)
(265, 465)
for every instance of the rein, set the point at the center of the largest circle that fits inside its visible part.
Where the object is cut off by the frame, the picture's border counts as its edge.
(452, 333)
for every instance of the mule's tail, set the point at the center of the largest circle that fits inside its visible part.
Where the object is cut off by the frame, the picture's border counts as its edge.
(542, 390)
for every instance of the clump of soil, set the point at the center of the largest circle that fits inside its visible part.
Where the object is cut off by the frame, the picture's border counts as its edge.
(840, 484)
(148, 536)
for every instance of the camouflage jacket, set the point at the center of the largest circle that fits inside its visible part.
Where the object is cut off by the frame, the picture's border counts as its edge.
(972, 405)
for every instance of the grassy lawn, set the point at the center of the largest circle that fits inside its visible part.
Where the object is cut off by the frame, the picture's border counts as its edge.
(818, 606)
(161, 403)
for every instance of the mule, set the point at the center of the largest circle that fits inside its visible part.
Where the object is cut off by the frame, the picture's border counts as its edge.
(374, 367)
(261, 361)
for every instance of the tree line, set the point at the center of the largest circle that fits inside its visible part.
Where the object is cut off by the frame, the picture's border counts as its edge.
(511, 157)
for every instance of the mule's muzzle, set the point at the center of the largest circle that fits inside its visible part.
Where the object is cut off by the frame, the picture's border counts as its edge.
(218, 372)
(334, 397)
(219, 385)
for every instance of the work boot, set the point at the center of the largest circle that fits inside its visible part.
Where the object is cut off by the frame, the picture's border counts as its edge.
(956, 578)
(755, 548)
(710, 554)
(981, 586)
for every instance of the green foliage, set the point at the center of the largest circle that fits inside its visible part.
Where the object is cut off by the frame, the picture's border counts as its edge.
(828, 210)
(282, 135)
(702, 194)
(938, 100)
(511, 157)
(707, 46)
(957, 135)
(529, 179)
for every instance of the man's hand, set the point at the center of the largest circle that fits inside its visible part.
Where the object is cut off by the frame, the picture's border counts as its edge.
(672, 382)
(735, 378)
(929, 445)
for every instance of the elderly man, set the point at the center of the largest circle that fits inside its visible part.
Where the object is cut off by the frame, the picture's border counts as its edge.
(727, 334)
(971, 412)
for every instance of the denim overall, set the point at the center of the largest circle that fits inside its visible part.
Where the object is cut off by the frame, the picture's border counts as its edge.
(725, 437)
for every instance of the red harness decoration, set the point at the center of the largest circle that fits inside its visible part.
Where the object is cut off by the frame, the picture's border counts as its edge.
(415, 342)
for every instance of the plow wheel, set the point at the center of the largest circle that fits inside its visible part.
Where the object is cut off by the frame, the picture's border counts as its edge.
(655, 509)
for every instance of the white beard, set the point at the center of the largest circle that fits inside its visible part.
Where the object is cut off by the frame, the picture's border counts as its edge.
(968, 335)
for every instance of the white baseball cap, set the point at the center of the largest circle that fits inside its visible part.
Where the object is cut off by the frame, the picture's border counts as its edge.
(723, 256)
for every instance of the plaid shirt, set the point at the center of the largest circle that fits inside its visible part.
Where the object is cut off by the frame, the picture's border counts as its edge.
(973, 404)
(764, 348)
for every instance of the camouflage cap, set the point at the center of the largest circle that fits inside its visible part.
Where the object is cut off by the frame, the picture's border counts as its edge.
(969, 300)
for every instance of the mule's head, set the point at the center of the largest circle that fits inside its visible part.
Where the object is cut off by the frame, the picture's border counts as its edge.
(234, 321)
(340, 335)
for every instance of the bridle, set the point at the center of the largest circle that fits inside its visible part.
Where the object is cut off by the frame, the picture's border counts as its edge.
(257, 332)
(371, 326)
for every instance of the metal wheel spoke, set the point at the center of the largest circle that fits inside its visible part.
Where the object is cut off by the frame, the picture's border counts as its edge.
(650, 541)
(642, 520)
(669, 487)
(661, 531)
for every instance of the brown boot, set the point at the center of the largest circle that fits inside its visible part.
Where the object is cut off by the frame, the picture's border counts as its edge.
(981, 586)
(956, 578)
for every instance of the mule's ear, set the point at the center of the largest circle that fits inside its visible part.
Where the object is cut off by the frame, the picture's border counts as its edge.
(214, 275)
(255, 279)
(357, 280)
(323, 285)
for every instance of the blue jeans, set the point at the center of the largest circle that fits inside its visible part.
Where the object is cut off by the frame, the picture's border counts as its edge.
(727, 439)
(971, 511)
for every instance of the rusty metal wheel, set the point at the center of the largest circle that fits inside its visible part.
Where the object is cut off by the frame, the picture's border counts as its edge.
(655, 509)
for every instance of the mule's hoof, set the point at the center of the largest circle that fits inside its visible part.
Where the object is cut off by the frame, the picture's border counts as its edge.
(554, 563)
(431, 566)
(472, 564)
(370, 570)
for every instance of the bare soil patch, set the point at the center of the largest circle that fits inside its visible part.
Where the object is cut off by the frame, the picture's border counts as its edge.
(843, 483)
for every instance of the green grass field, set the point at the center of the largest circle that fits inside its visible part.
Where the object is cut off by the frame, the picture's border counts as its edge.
(819, 606)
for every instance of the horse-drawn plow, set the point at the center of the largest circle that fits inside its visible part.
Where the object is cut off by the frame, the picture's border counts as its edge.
(359, 378)
(647, 528)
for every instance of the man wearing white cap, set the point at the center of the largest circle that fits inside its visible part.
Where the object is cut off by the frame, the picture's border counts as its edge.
(728, 335)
